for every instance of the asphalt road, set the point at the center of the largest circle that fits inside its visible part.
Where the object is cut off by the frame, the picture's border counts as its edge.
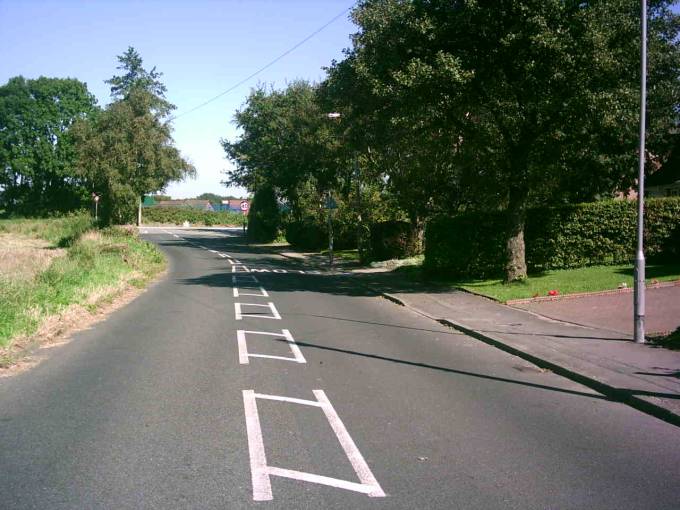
(363, 405)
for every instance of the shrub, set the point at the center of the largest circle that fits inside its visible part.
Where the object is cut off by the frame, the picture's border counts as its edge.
(264, 217)
(306, 234)
(599, 233)
(393, 240)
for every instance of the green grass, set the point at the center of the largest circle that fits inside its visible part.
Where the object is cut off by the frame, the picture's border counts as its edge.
(569, 281)
(95, 263)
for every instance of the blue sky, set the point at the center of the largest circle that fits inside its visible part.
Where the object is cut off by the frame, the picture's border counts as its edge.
(202, 47)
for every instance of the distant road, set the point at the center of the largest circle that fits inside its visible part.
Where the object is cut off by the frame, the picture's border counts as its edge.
(244, 380)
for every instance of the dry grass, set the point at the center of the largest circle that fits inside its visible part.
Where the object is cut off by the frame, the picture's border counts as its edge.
(22, 258)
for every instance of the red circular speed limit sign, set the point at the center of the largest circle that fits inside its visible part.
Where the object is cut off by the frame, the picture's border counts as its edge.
(244, 206)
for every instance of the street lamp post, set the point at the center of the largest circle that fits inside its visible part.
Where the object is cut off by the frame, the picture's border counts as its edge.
(639, 295)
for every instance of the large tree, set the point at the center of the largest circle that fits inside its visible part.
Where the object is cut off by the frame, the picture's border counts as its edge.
(127, 151)
(528, 101)
(286, 142)
(36, 155)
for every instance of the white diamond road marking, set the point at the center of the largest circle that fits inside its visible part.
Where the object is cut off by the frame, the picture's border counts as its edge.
(239, 292)
(261, 472)
(239, 312)
(243, 353)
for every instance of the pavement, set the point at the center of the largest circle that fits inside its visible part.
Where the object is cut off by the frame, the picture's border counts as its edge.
(588, 339)
(244, 379)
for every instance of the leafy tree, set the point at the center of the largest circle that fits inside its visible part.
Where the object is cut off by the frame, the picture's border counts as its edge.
(36, 155)
(127, 151)
(517, 102)
(286, 142)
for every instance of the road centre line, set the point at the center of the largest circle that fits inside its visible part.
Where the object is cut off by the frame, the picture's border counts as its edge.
(243, 353)
(239, 312)
(261, 472)
(238, 293)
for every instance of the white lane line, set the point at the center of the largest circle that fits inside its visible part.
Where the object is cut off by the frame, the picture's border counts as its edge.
(239, 312)
(212, 251)
(236, 278)
(243, 267)
(243, 353)
(221, 254)
(353, 454)
(261, 472)
(262, 486)
(239, 292)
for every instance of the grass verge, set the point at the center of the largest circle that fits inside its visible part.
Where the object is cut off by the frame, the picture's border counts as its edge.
(96, 265)
(569, 281)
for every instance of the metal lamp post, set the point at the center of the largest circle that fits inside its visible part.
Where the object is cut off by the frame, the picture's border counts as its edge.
(639, 297)
(330, 205)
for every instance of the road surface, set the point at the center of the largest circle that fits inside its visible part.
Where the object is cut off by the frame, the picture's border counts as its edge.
(244, 380)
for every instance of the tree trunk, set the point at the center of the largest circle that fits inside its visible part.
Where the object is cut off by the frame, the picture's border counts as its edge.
(516, 266)
(139, 212)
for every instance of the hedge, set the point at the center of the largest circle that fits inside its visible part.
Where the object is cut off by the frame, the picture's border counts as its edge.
(178, 215)
(600, 233)
(393, 240)
(312, 233)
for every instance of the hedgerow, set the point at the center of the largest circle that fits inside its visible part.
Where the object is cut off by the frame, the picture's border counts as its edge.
(599, 233)
(178, 215)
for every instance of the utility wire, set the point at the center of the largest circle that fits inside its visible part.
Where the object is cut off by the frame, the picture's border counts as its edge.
(266, 66)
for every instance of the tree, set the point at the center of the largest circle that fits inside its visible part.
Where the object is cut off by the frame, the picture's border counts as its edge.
(523, 101)
(286, 142)
(126, 152)
(137, 78)
(36, 154)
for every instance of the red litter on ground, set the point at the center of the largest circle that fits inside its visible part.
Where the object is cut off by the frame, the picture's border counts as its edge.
(553, 292)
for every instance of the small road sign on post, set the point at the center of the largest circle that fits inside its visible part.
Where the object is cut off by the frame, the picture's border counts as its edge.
(244, 208)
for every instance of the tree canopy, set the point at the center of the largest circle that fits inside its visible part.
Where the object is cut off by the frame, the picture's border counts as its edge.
(36, 155)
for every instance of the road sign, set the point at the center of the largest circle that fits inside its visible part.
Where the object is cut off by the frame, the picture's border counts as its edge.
(244, 205)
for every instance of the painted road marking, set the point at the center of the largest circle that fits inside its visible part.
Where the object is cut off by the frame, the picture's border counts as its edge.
(221, 255)
(284, 271)
(261, 472)
(239, 292)
(270, 305)
(244, 268)
(243, 353)
(235, 278)
(212, 251)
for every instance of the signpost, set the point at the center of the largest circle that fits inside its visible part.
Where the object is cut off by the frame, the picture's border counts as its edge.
(244, 208)
(95, 197)
(330, 205)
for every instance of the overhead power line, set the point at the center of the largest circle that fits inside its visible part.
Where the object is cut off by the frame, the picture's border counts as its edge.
(264, 67)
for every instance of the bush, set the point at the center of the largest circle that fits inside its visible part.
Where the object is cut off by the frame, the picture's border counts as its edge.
(178, 215)
(599, 233)
(306, 234)
(264, 217)
(393, 240)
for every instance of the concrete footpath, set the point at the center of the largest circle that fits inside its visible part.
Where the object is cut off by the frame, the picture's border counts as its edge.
(643, 376)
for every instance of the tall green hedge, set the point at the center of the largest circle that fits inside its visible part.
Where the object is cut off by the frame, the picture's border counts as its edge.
(178, 215)
(599, 233)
